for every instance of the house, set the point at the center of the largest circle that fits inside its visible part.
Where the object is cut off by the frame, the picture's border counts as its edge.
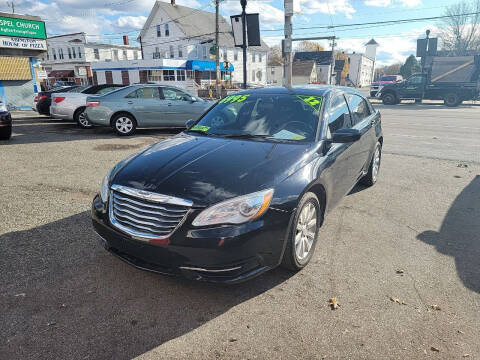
(304, 72)
(362, 66)
(275, 75)
(70, 57)
(323, 63)
(182, 33)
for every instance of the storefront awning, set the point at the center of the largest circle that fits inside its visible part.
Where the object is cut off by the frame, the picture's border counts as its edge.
(206, 65)
(58, 74)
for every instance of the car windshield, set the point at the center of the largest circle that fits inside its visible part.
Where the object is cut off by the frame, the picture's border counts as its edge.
(269, 116)
(77, 89)
(388, 78)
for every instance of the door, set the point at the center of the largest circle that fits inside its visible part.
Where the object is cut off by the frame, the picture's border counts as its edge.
(413, 87)
(108, 77)
(145, 104)
(180, 106)
(363, 119)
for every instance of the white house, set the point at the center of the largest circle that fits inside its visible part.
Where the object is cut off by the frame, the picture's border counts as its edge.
(178, 32)
(362, 66)
(304, 72)
(70, 56)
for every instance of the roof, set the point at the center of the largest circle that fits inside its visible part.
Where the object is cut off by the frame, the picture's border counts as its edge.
(19, 16)
(320, 57)
(372, 42)
(196, 23)
(56, 36)
(303, 68)
(119, 46)
(318, 90)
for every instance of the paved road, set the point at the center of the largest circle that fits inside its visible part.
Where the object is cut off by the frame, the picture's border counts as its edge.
(412, 237)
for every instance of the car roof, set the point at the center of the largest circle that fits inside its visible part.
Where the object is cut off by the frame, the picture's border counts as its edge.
(318, 90)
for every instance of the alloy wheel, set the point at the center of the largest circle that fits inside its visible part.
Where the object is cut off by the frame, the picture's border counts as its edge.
(376, 164)
(124, 124)
(306, 230)
(82, 119)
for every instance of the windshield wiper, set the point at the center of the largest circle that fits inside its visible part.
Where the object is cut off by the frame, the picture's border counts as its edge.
(247, 136)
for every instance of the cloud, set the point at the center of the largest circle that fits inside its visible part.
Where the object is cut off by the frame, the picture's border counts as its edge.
(128, 23)
(327, 7)
(393, 3)
(270, 16)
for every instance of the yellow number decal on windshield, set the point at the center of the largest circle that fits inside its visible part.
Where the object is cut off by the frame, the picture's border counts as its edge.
(234, 98)
(200, 128)
(314, 101)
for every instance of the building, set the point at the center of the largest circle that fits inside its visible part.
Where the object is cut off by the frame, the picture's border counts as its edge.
(362, 66)
(304, 72)
(70, 57)
(182, 33)
(323, 63)
(275, 75)
(22, 44)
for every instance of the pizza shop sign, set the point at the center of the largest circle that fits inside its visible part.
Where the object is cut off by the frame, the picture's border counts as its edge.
(22, 43)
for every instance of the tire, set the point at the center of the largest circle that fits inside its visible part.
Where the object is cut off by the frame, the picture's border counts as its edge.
(300, 246)
(124, 124)
(452, 100)
(5, 133)
(80, 118)
(374, 168)
(389, 99)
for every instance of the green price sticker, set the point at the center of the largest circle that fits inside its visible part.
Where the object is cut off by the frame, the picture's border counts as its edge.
(200, 128)
(234, 98)
(314, 101)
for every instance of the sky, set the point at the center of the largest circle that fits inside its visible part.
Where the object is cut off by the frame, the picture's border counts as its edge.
(107, 20)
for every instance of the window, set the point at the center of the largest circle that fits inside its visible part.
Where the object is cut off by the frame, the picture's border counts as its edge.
(253, 57)
(358, 108)
(135, 55)
(253, 75)
(145, 93)
(180, 52)
(415, 79)
(180, 75)
(225, 55)
(125, 78)
(172, 52)
(235, 55)
(106, 90)
(338, 114)
(168, 75)
(69, 51)
(259, 57)
(96, 54)
(259, 75)
(204, 51)
(108, 77)
(115, 54)
(125, 56)
(154, 75)
(167, 31)
(60, 53)
(79, 53)
(174, 94)
(159, 31)
(73, 52)
(54, 54)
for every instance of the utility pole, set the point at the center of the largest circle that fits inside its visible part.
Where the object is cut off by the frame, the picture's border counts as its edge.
(244, 41)
(218, 81)
(11, 4)
(287, 43)
(333, 63)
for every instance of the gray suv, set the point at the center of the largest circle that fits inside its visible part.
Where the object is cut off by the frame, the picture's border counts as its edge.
(144, 106)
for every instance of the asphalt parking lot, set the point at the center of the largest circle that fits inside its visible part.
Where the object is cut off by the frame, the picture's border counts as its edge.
(402, 258)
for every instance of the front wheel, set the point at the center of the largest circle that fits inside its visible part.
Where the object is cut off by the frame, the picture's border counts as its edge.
(389, 99)
(303, 233)
(80, 118)
(371, 178)
(124, 125)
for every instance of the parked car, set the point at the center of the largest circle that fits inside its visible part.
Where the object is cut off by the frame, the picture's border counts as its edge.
(144, 105)
(43, 99)
(5, 122)
(245, 188)
(72, 105)
(384, 80)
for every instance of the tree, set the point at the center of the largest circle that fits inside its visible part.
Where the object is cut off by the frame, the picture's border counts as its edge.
(410, 67)
(393, 69)
(275, 56)
(309, 46)
(460, 31)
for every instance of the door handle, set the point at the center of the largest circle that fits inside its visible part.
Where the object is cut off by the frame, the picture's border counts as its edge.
(169, 104)
(130, 102)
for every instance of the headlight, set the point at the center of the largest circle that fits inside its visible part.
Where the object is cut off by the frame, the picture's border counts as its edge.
(104, 188)
(237, 210)
(3, 107)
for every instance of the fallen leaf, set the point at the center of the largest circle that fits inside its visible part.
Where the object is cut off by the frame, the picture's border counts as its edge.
(334, 303)
(466, 355)
(21, 294)
(436, 307)
(346, 331)
(303, 340)
(462, 165)
(398, 301)
(232, 340)
(460, 332)
(433, 348)
(400, 271)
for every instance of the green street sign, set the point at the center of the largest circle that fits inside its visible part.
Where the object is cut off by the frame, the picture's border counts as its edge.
(22, 28)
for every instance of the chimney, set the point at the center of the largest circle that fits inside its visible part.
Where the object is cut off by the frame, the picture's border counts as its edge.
(125, 40)
(172, 2)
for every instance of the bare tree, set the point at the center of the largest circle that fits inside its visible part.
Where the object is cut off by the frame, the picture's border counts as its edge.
(460, 30)
(310, 46)
(275, 56)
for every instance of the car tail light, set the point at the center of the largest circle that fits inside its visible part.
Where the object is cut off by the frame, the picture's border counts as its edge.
(58, 99)
(38, 98)
(93, 103)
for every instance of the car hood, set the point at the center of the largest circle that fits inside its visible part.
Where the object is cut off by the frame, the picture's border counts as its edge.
(207, 170)
(382, 82)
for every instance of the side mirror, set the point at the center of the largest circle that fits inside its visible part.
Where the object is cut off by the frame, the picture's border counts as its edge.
(346, 136)
(189, 123)
(193, 99)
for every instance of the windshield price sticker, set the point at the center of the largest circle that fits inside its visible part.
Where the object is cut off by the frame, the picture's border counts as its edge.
(314, 101)
(200, 128)
(234, 98)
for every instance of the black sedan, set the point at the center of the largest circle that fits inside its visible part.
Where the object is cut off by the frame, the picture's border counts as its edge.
(5, 122)
(245, 188)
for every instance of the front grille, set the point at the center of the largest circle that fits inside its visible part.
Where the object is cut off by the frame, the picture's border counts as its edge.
(146, 215)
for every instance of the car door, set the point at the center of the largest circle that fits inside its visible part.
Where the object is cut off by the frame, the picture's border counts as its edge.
(339, 156)
(180, 106)
(145, 104)
(413, 87)
(363, 119)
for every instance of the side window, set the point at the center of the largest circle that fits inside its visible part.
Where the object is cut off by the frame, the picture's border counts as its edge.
(415, 80)
(132, 95)
(174, 94)
(338, 114)
(358, 107)
(145, 93)
(106, 90)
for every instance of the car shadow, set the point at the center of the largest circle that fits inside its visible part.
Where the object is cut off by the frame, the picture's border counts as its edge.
(459, 235)
(64, 297)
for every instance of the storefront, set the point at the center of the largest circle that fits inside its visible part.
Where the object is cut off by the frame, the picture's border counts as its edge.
(22, 43)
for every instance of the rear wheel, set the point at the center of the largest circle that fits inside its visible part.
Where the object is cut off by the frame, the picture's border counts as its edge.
(5, 133)
(371, 178)
(124, 124)
(389, 99)
(303, 233)
(452, 100)
(81, 118)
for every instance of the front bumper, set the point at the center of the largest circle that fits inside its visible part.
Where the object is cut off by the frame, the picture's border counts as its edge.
(227, 254)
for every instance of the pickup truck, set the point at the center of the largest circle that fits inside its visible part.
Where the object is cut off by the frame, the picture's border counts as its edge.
(384, 80)
(451, 79)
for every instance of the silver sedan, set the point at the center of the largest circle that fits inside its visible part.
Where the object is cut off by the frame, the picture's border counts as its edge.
(145, 105)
